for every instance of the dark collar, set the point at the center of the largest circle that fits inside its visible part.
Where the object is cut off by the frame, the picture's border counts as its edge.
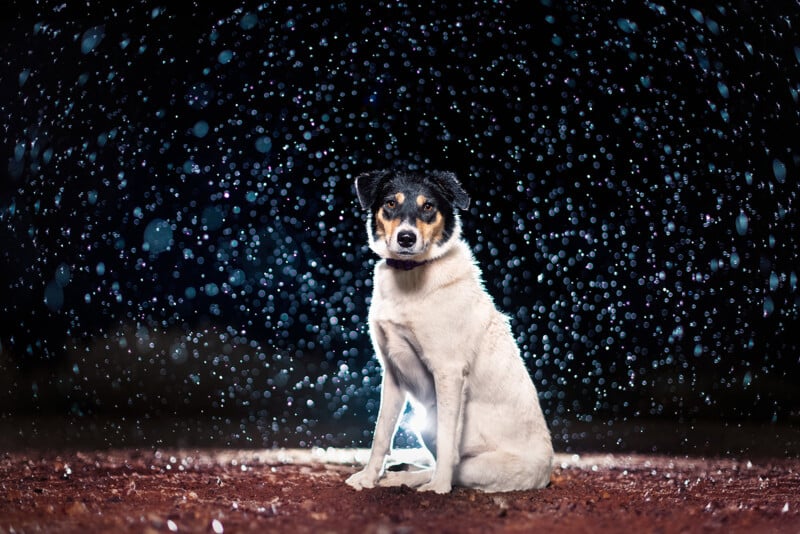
(405, 265)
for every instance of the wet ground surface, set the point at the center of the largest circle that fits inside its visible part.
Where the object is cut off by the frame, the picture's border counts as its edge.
(304, 491)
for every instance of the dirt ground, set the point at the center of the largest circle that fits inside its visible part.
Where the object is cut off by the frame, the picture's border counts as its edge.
(304, 491)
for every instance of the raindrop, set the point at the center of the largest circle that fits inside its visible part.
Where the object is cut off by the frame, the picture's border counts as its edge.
(63, 275)
(211, 289)
(237, 277)
(264, 144)
(627, 25)
(225, 57)
(723, 89)
(741, 223)
(54, 296)
(91, 38)
(769, 306)
(248, 21)
(157, 236)
(200, 129)
(779, 170)
(773, 281)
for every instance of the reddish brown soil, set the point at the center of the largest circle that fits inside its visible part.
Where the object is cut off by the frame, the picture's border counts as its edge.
(304, 491)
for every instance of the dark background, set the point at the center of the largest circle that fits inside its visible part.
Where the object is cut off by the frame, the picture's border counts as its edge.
(184, 262)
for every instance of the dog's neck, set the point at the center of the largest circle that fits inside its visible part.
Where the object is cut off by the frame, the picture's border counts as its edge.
(410, 265)
(405, 265)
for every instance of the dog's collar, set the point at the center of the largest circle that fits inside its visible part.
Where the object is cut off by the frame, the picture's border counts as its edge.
(405, 265)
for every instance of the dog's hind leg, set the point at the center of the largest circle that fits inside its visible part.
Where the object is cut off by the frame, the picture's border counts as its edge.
(504, 471)
(412, 479)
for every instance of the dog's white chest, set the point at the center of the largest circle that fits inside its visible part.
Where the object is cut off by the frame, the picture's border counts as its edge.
(404, 358)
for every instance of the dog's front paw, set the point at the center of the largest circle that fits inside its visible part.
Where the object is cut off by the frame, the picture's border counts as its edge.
(361, 480)
(436, 487)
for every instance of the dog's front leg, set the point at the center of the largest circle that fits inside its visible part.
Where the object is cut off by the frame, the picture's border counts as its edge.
(392, 401)
(450, 392)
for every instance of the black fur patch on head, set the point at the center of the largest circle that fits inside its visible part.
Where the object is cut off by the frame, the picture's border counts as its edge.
(451, 188)
(368, 185)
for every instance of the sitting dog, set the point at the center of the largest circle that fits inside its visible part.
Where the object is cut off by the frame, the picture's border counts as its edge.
(441, 341)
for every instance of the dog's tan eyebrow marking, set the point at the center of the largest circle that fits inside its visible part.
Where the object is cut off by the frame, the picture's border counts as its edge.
(400, 198)
(421, 200)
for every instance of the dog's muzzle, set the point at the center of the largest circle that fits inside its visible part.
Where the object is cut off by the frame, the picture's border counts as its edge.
(407, 241)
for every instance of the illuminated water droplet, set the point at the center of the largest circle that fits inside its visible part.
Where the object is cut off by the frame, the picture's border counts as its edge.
(627, 25)
(723, 89)
(237, 277)
(200, 129)
(157, 236)
(248, 21)
(779, 170)
(741, 223)
(225, 57)
(769, 306)
(54, 296)
(773, 281)
(63, 274)
(264, 144)
(91, 38)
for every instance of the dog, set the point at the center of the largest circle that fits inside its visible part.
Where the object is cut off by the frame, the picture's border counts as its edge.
(442, 344)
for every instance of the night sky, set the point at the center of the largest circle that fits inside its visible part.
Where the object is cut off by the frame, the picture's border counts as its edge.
(180, 233)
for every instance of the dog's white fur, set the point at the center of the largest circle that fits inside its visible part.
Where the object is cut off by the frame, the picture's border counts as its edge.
(441, 340)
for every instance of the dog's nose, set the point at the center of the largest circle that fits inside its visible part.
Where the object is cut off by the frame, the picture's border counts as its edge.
(406, 239)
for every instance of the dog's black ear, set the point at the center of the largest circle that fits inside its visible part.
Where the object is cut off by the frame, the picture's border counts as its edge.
(367, 187)
(451, 188)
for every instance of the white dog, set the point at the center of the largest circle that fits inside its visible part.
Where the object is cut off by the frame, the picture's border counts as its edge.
(442, 342)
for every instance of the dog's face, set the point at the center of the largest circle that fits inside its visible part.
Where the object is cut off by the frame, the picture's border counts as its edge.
(412, 216)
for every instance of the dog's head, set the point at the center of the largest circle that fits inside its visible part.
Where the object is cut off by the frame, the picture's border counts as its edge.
(412, 215)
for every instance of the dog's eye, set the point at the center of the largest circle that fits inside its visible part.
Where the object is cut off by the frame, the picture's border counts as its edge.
(391, 203)
(427, 207)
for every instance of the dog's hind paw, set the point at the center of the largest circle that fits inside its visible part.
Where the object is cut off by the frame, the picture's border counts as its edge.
(436, 487)
(361, 480)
